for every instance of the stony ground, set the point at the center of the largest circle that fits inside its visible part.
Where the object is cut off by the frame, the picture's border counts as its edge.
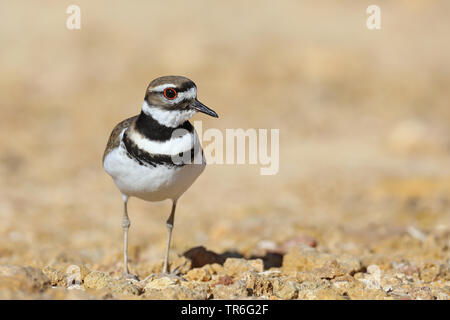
(304, 273)
(360, 208)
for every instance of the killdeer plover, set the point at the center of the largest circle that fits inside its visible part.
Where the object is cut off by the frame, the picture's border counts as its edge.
(142, 154)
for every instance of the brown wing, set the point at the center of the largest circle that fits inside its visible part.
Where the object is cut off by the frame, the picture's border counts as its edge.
(114, 138)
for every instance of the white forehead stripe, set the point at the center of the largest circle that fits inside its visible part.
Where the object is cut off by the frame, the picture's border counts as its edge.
(188, 94)
(168, 118)
(161, 87)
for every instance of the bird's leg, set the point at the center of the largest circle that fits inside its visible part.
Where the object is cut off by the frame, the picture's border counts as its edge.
(169, 224)
(125, 226)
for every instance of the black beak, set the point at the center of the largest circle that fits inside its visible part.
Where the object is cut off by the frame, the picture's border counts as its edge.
(200, 107)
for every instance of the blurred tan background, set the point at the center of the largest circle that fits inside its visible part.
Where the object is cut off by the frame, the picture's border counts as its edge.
(363, 116)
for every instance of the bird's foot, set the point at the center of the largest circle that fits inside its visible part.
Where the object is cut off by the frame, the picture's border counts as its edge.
(173, 276)
(129, 276)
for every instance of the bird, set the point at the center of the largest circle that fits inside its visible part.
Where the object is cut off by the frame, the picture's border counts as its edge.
(156, 155)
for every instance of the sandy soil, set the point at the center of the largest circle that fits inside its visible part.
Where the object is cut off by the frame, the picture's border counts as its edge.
(360, 208)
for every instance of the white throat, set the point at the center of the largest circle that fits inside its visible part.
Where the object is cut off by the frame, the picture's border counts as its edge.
(168, 118)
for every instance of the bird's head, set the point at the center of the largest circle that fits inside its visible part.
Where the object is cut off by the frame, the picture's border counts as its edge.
(171, 100)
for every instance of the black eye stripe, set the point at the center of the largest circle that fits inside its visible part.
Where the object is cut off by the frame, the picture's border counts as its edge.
(185, 87)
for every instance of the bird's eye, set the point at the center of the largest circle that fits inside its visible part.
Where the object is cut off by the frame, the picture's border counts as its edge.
(170, 93)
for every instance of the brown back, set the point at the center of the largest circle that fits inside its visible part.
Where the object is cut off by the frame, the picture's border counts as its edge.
(114, 138)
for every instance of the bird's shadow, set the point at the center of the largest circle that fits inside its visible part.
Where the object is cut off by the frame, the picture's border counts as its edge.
(200, 256)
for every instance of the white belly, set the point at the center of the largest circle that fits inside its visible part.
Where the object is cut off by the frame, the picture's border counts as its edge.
(147, 182)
